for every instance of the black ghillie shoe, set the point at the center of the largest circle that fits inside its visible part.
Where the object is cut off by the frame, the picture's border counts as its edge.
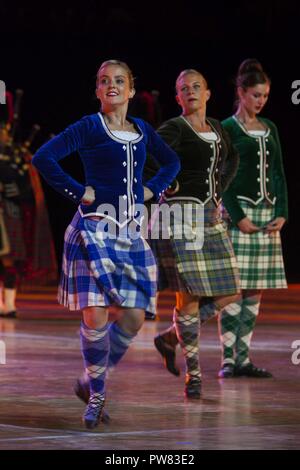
(193, 388)
(82, 390)
(249, 370)
(168, 353)
(94, 410)
(11, 314)
(226, 371)
(149, 316)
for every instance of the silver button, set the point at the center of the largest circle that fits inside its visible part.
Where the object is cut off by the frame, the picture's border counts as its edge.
(217, 182)
(216, 194)
(220, 146)
(267, 165)
(134, 147)
(135, 163)
(71, 194)
(206, 181)
(267, 140)
(258, 179)
(135, 180)
(125, 180)
(258, 193)
(124, 147)
(125, 212)
(258, 166)
(268, 194)
(124, 196)
(268, 153)
(159, 194)
(135, 196)
(66, 190)
(124, 163)
(267, 180)
(211, 159)
(211, 146)
(258, 153)
(208, 169)
(207, 194)
(74, 197)
(217, 170)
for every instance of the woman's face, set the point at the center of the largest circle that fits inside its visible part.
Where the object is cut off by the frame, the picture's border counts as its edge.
(253, 99)
(192, 93)
(113, 86)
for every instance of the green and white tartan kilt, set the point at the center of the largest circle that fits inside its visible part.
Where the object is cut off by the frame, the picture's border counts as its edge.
(207, 271)
(259, 255)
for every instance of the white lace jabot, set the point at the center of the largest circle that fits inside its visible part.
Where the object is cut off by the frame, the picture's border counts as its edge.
(208, 135)
(125, 135)
(257, 132)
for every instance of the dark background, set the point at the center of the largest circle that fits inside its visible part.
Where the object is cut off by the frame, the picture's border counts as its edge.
(53, 52)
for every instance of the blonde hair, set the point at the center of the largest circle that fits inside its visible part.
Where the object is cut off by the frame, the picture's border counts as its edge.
(187, 72)
(121, 64)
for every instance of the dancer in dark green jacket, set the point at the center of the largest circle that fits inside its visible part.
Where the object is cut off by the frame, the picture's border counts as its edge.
(256, 202)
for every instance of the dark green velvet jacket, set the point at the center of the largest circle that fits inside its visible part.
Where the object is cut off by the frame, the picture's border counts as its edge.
(260, 176)
(207, 167)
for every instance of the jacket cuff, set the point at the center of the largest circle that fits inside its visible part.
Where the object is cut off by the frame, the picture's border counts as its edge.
(157, 192)
(237, 216)
(73, 191)
(279, 212)
(173, 188)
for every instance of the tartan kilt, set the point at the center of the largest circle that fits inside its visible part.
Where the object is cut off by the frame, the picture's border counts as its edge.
(207, 271)
(99, 271)
(13, 221)
(259, 256)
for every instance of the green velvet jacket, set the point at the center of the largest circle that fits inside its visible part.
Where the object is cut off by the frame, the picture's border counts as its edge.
(260, 176)
(207, 167)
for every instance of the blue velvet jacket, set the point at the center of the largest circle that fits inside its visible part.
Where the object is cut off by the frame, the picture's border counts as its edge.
(112, 166)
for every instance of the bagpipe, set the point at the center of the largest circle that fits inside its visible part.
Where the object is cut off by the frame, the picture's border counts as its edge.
(15, 156)
(20, 185)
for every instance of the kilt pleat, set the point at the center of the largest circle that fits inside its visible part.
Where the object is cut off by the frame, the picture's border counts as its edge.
(101, 271)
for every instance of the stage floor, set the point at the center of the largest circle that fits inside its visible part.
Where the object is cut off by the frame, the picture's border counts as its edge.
(38, 409)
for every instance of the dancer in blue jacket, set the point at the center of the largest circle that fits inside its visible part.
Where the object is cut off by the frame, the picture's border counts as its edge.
(105, 262)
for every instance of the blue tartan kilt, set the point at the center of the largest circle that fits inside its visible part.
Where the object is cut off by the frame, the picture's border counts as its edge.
(100, 271)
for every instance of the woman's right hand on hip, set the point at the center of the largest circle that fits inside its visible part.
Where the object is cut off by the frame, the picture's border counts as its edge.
(89, 196)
